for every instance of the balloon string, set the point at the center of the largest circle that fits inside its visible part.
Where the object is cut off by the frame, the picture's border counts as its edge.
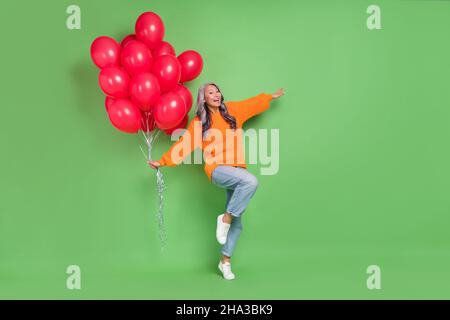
(150, 138)
(160, 216)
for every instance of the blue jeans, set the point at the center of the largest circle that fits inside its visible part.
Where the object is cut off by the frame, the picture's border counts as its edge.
(241, 186)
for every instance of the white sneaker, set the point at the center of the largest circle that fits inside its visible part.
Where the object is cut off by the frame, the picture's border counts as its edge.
(225, 268)
(222, 230)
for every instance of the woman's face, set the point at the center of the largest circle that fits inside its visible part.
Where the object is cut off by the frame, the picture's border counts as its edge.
(213, 97)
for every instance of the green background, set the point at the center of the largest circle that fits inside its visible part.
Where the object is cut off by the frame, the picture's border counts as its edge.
(364, 161)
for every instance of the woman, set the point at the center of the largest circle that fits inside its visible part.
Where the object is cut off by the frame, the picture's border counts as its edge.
(217, 130)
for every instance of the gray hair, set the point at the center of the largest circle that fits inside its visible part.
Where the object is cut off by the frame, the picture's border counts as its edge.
(203, 111)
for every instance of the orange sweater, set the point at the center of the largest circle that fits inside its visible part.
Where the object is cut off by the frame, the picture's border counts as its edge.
(222, 146)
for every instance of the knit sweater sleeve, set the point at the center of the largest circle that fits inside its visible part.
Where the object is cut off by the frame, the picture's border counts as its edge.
(187, 143)
(245, 109)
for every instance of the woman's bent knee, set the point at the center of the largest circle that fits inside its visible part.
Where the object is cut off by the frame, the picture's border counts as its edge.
(251, 182)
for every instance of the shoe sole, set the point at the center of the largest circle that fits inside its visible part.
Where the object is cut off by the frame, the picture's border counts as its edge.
(217, 228)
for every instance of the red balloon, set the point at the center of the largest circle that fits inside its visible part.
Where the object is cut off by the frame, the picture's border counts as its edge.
(191, 65)
(163, 48)
(108, 102)
(114, 82)
(169, 110)
(148, 122)
(185, 94)
(144, 90)
(149, 29)
(125, 116)
(127, 40)
(105, 52)
(167, 69)
(136, 58)
(181, 125)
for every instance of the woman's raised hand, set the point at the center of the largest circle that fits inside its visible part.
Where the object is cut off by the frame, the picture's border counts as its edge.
(154, 164)
(278, 93)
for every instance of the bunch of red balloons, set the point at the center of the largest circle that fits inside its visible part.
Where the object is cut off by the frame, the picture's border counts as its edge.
(143, 78)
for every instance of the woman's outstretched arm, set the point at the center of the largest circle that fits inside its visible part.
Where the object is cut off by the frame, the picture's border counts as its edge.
(245, 109)
(187, 143)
